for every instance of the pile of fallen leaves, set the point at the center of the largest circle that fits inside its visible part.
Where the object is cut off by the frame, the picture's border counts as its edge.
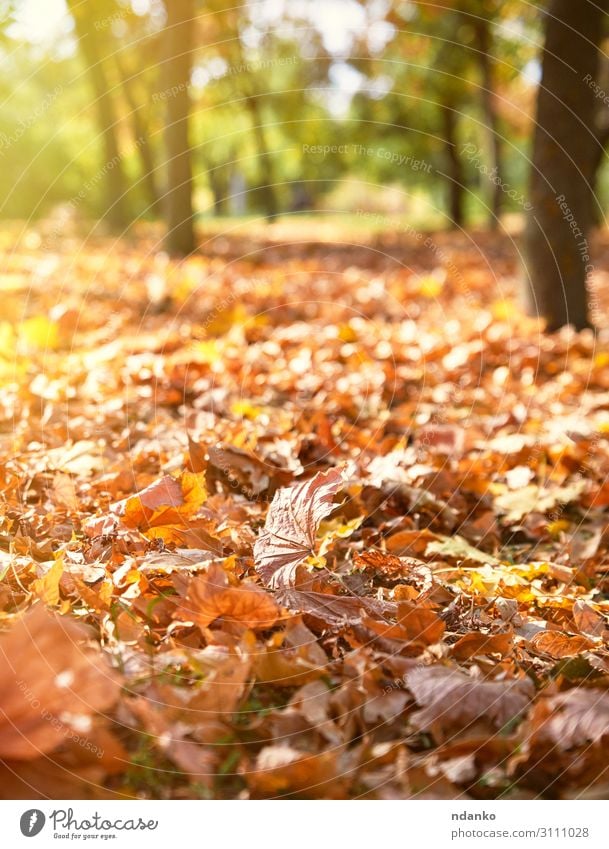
(297, 520)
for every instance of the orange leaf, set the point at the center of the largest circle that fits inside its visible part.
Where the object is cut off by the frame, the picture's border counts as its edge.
(476, 644)
(213, 596)
(558, 645)
(421, 624)
(168, 501)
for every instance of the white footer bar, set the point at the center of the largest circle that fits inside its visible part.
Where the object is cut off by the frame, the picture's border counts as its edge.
(306, 824)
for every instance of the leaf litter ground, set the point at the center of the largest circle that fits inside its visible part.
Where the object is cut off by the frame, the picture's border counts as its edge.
(298, 519)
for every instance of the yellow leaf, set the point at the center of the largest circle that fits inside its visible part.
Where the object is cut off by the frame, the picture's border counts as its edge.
(346, 333)
(315, 561)
(194, 492)
(224, 320)
(7, 340)
(502, 310)
(334, 529)
(554, 528)
(430, 286)
(47, 587)
(39, 333)
(246, 409)
(208, 351)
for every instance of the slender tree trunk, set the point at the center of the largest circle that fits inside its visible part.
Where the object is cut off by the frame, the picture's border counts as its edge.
(267, 190)
(219, 190)
(141, 138)
(114, 177)
(455, 171)
(177, 67)
(558, 226)
(489, 106)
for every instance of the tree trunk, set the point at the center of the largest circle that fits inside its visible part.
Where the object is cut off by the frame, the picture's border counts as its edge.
(114, 177)
(564, 147)
(218, 189)
(267, 189)
(176, 71)
(455, 176)
(141, 137)
(483, 46)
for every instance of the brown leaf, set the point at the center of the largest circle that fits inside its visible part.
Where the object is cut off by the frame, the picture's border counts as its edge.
(575, 718)
(334, 609)
(291, 524)
(244, 469)
(558, 645)
(214, 596)
(283, 771)
(389, 564)
(292, 657)
(477, 644)
(450, 699)
(411, 543)
(51, 683)
(587, 620)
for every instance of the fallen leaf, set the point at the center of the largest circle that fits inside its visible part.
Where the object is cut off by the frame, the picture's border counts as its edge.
(460, 550)
(289, 534)
(557, 644)
(420, 624)
(475, 644)
(450, 699)
(587, 620)
(574, 718)
(214, 596)
(281, 770)
(51, 684)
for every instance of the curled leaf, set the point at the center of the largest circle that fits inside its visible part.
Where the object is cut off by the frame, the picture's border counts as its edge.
(289, 534)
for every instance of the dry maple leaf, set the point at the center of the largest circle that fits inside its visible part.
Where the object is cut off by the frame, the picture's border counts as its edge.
(557, 645)
(49, 682)
(213, 596)
(167, 501)
(240, 466)
(291, 524)
(575, 718)
(471, 645)
(451, 699)
(588, 621)
(334, 609)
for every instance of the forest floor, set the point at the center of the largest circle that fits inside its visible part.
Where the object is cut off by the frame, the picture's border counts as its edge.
(304, 515)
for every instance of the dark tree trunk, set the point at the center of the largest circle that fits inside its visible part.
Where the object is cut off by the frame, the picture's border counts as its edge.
(489, 107)
(176, 71)
(114, 177)
(141, 138)
(564, 150)
(455, 173)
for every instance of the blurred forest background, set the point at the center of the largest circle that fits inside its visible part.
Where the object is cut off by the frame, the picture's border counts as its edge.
(455, 114)
(401, 108)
